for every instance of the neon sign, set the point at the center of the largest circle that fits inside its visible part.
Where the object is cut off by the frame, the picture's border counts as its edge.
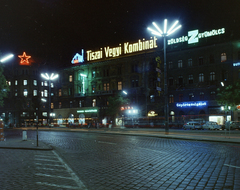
(78, 58)
(191, 104)
(194, 36)
(236, 64)
(87, 111)
(127, 48)
(24, 59)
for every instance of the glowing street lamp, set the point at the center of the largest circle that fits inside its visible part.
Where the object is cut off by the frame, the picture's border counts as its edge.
(49, 78)
(166, 32)
(6, 58)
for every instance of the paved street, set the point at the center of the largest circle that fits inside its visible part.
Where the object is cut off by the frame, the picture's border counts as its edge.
(97, 161)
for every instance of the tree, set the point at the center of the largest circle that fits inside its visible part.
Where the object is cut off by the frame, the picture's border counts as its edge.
(115, 104)
(229, 95)
(4, 88)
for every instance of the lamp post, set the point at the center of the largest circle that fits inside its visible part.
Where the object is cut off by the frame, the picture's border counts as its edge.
(6, 58)
(164, 34)
(49, 78)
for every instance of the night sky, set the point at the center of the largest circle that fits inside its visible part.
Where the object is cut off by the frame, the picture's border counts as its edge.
(52, 31)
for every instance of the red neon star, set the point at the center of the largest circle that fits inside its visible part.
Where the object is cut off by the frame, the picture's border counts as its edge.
(24, 59)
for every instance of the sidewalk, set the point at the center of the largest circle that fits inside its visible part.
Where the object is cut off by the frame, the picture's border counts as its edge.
(211, 136)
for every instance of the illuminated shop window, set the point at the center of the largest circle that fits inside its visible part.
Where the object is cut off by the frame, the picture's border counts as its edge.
(94, 103)
(190, 79)
(120, 85)
(16, 82)
(190, 62)
(180, 64)
(171, 98)
(24, 82)
(212, 76)
(70, 78)
(60, 92)
(34, 92)
(223, 57)
(35, 82)
(170, 65)
(201, 77)
(201, 96)
(25, 92)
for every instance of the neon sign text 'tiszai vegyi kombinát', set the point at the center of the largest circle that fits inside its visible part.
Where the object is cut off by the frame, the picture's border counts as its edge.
(127, 48)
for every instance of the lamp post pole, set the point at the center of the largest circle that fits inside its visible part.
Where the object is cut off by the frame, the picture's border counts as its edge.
(164, 34)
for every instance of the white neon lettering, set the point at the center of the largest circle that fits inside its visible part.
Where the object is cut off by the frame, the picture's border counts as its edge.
(193, 36)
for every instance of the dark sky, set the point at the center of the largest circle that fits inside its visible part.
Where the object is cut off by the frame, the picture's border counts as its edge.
(52, 31)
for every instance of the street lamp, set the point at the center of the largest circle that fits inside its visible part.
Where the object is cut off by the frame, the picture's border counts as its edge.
(49, 78)
(6, 58)
(166, 32)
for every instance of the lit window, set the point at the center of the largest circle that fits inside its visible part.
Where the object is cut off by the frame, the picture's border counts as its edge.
(24, 82)
(190, 62)
(180, 65)
(94, 103)
(45, 83)
(201, 77)
(52, 86)
(212, 76)
(60, 92)
(60, 105)
(93, 74)
(9, 83)
(107, 86)
(16, 94)
(34, 92)
(42, 83)
(171, 99)
(42, 94)
(52, 105)
(35, 82)
(45, 93)
(16, 82)
(70, 78)
(80, 103)
(44, 114)
(25, 92)
(223, 57)
(120, 85)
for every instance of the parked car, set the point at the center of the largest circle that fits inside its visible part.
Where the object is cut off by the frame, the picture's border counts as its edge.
(211, 125)
(232, 124)
(192, 125)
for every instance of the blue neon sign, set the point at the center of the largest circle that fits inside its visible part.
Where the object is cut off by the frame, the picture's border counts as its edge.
(78, 58)
(236, 64)
(191, 104)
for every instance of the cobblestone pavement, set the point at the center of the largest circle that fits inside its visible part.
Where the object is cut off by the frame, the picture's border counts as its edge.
(102, 162)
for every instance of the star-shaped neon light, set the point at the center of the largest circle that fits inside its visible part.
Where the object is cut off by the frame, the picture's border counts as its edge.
(24, 59)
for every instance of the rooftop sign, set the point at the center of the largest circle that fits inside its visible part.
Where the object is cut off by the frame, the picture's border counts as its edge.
(194, 36)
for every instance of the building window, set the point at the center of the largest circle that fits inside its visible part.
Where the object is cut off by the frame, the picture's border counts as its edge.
(24, 82)
(201, 77)
(212, 76)
(180, 64)
(211, 59)
(80, 103)
(45, 83)
(200, 60)
(44, 114)
(120, 85)
(191, 96)
(93, 74)
(52, 105)
(16, 82)
(16, 94)
(190, 62)
(180, 80)
(134, 68)
(35, 82)
(94, 103)
(213, 95)
(70, 78)
(106, 86)
(25, 92)
(152, 99)
(60, 105)
(171, 99)
(170, 81)
(201, 95)
(70, 104)
(45, 93)
(59, 92)
(70, 91)
(34, 92)
(190, 79)
(93, 88)
(180, 97)
(223, 57)
(170, 64)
